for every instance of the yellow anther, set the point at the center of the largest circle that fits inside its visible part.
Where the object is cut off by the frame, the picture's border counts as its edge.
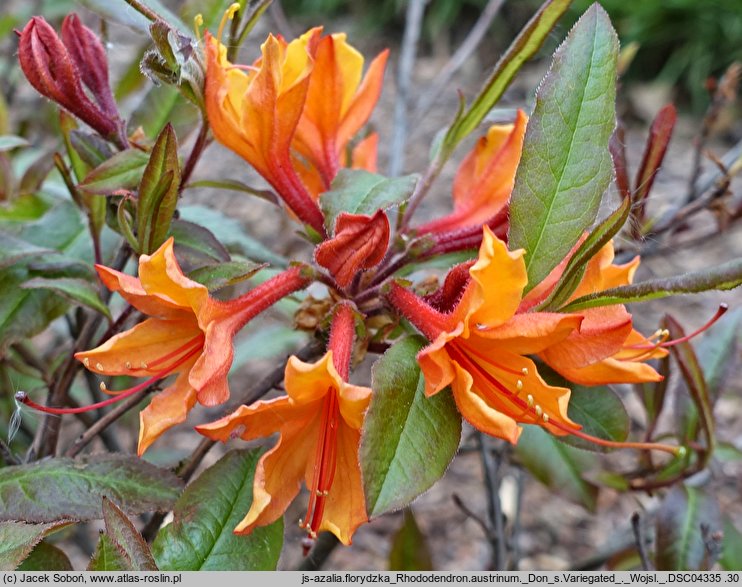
(102, 386)
(530, 400)
(99, 366)
(519, 385)
(198, 22)
(546, 418)
(127, 365)
(143, 365)
(86, 362)
(524, 370)
(539, 411)
(229, 15)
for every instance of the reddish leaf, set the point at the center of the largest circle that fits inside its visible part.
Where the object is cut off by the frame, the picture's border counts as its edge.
(617, 147)
(124, 535)
(654, 152)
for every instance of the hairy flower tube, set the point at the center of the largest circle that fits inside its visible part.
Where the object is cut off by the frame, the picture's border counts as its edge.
(58, 69)
(478, 347)
(188, 334)
(319, 422)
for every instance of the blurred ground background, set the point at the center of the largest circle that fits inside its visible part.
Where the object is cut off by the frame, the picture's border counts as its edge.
(682, 43)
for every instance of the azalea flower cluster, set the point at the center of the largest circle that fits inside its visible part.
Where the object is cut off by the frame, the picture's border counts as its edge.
(295, 116)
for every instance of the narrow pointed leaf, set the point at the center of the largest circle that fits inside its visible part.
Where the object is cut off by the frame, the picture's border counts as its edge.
(566, 167)
(46, 557)
(408, 440)
(573, 273)
(695, 382)
(722, 277)
(9, 142)
(18, 539)
(216, 277)
(158, 192)
(409, 550)
(236, 186)
(557, 465)
(64, 488)
(201, 537)
(196, 246)
(77, 291)
(680, 545)
(525, 46)
(659, 137)
(121, 172)
(123, 533)
(359, 192)
(108, 556)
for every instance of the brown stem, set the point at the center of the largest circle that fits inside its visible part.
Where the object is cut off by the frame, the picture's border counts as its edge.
(143, 10)
(198, 148)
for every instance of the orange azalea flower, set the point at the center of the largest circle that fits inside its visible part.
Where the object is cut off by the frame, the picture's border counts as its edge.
(254, 111)
(188, 334)
(485, 178)
(478, 348)
(338, 104)
(319, 424)
(604, 349)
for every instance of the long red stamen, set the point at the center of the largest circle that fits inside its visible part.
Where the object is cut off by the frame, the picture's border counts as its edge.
(123, 394)
(325, 462)
(543, 418)
(666, 344)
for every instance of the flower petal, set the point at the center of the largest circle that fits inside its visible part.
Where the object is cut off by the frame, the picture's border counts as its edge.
(527, 334)
(209, 374)
(279, 474)
(345, 508)
(130, 288)
(145, 343)
(501, 276)
(353, 403)
(365, 153)
(309, 382)
(259, 420)
(167, 409)
(161, 274)
(476, 410)
(609, 371)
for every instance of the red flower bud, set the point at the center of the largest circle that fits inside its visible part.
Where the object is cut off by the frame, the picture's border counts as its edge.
(360, 242)
(55, 73)
(89, 56)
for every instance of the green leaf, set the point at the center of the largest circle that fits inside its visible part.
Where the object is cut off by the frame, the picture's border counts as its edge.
(91, 149)
(108, 556)
(201, 535)
(17, 540)
(158, 192)
(601, 413)
(731, 557)
(722, 277)
(163, 105)
(124, 535)
(356, 191)
(196, 246)
(236, 186)
(525, 46)
(231, 233)
(216, 277)
(77, 291)
(122, 13)
(123, 171)
(409, 551)
(566, 167)
(8, 142)
(46, 557)
(408, 439)
(13, 249)
(63, 488)
(24, 208)
(575, 269)
(680, 544)
(557, 465)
